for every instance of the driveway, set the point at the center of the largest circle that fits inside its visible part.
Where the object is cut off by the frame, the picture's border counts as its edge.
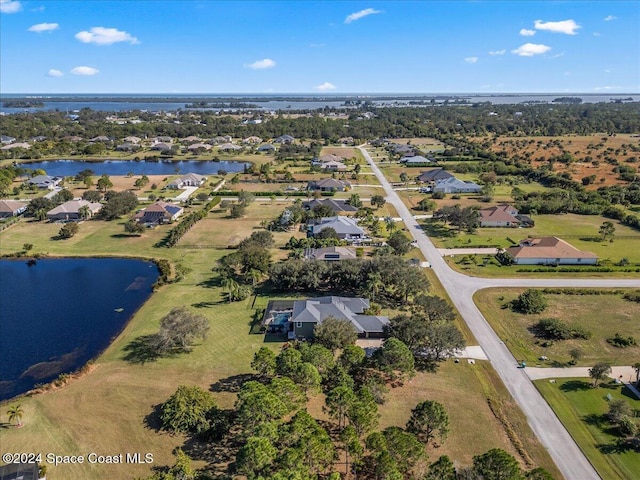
(185, 194)
(460, 288)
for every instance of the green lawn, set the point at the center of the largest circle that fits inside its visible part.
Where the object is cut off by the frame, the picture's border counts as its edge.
(602, 315)
(580, 408)
(111, 407)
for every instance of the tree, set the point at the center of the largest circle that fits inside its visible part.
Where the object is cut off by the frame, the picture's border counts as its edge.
(68, 230)
(394, 356)
(88, 182)
(308, 377)
(636, 368)
(118, 204)
(257, 405)
(354, 200)
(363, 413)
(288, 362)
(335, 333)
(599, 372)
(426, 205)
(84, 212)
(352, 357)
(141, 182)
(400, 243)
(378, 201)
(607, 231)
(404, 177)
(237, 210)
(202, 197)
(576, 355)
(538, 474)
(133, 228)
(27, 246)
(429, 420)
(326, 233)
(230, 286)
(404, 447)
(264, 362)
(442, 469)
(618, 409)
(179, 330)
(93, 196)
(15, 412)
(530, 301)
(352, 446)
(496, 464)
(186, 411)
(322, 211)
(255, 457)
(104, 183)
(318, 356)
(338, 402)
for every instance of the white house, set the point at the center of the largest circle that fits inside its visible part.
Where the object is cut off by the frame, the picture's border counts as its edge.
(549, 251)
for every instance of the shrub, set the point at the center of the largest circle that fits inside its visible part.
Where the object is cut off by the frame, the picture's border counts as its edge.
(555, 329)
(621, 342)
(530, 301)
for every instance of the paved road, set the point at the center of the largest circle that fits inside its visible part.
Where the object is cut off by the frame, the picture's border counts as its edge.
(564, 451)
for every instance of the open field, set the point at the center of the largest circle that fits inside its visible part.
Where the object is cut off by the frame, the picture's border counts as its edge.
(584, 149)
(581, 231)
(116, 399)
(581, 409)
(345, 152)
(602, 315)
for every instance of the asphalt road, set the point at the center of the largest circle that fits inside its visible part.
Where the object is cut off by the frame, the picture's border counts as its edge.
(460, 288)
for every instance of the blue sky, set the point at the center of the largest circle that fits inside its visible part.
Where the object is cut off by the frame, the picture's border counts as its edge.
(200, 46)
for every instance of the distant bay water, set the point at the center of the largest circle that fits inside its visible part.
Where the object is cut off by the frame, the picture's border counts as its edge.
(58, 314)
(172, 102)
(68, 168)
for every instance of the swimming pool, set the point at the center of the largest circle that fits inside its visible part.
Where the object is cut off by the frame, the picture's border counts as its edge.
(281, 318)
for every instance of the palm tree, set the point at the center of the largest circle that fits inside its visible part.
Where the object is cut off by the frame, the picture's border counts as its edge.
(374, 284)
(231, 287)
(15, 413)
(636, 367)
(40, 214)
(84, 212)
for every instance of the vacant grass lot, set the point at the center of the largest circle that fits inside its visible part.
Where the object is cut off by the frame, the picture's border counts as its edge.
(110, 410)
(581, 409)
(602, 315)
(581, 231)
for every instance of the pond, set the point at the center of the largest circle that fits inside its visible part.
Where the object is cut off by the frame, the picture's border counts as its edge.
(57, 314)
(69, 168)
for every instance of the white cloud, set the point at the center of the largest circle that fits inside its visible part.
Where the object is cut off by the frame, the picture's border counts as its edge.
(325, 86)
(596, 34)
(106, 36)
(43, 27)
(362, 13)
(527, 33)
(9, 6)
(261, 64)
(608, 87)
(497, 52)
(86, 71)
(565, 26)
(55, 73)
(531, 49)
(471, 59)
(38, 9)
(608, 18)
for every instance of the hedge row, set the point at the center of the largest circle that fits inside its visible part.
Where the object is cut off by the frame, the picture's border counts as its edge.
(177, 232)
(581, 291)
(268, 194)
(574, 270)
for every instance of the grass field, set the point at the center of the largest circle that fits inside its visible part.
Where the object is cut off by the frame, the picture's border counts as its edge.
(581, 409)
(602, 315)
(110, 409)
(579, 230)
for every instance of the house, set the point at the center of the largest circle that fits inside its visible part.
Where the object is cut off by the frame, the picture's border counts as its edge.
(431, 176)
(70, 210)
(330, 254)
(346, 228)
(11, 208)
(454, 185)
(72, 138)
(44, 181)
(329, 185)
(127, 147)
(415, 160)
(503, 216)
(405, 150)
(333, 166)
(162, 140)
(284, 139)
(188, 180)
(337, 206)
(159, 213)
(11, 146)
(20, 471)
(222, 139)
(347, 141)
(191, 139)
(6, 139)
(309, 313)
(229, 147)
(132, 139)
(329, 158)
(199, 147)
(161, 147)
(252, 140)
(100, 138)
(266, 147)
(549, 251)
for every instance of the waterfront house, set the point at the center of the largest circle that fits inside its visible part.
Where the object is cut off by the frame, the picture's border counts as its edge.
(188, 180)
(11, 208)
(71, 211)
(44, 182)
